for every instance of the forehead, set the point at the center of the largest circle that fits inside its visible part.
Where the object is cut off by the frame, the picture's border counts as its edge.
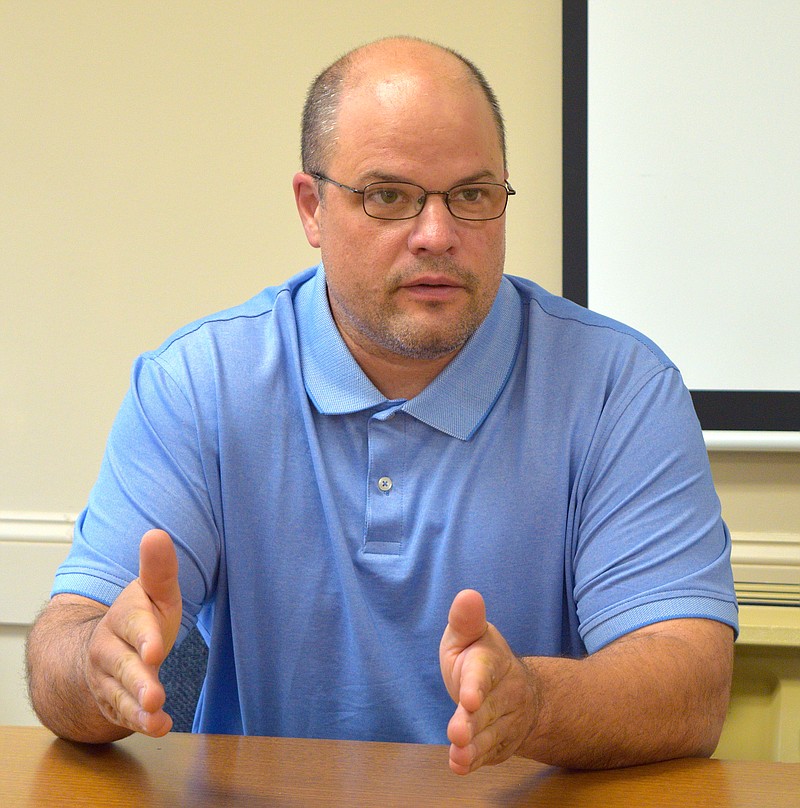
(406, 121)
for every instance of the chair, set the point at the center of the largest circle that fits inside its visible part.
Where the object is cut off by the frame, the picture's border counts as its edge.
(182, 674)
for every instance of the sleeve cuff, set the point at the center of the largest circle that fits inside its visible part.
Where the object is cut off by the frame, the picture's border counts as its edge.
(709, 608)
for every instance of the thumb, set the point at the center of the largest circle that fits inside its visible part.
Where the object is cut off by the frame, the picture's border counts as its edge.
(158, 577)
(466, 622)
(158, 568)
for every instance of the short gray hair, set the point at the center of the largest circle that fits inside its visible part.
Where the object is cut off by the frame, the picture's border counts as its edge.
(318, 130)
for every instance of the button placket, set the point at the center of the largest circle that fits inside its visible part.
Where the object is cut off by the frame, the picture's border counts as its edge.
(383, 531)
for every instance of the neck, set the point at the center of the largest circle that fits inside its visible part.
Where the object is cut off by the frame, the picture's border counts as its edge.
(398, 376)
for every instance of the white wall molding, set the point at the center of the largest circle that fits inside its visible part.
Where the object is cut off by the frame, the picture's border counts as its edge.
(34, 526)
(766, 548)
(766, 568)
(32, 545)
(730, 441)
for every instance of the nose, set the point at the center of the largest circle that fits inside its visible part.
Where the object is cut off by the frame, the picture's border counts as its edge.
(435, 229)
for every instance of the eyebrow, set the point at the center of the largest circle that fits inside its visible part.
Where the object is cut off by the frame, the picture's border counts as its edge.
(380, 176)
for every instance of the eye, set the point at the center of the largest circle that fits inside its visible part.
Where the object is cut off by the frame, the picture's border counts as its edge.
(387, 196)
(468, 194)
(390, 196)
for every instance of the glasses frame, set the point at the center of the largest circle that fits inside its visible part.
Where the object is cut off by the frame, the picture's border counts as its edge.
(425, 194)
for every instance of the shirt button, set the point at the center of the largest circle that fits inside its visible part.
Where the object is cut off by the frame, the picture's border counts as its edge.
(385, 483)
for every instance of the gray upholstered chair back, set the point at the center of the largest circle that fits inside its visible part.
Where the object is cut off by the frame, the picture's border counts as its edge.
(182, 675)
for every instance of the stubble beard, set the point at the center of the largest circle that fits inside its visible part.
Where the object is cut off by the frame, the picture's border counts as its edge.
(398, 332)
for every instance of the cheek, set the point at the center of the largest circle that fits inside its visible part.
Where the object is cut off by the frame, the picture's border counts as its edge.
(349, 267)
(364, 254)
(484, 251)
(497, 244)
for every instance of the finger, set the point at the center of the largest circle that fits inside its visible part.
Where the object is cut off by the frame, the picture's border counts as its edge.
(480, 739)
(481, 672)
(113, 659)
(497, 730)
(122, 695)
(493, 745)
(157, 724)
(495, 735)
(152, 724)
(460, 728)
(135, 624)
(498, 742)
(120, 707)
(460, 760)
(465, 724)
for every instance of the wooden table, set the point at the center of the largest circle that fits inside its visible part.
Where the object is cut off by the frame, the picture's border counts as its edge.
(198, 770)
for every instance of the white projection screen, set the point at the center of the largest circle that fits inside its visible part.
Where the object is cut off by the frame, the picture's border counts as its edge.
(682, 195)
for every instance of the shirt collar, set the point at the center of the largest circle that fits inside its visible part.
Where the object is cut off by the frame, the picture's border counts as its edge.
(456, 402)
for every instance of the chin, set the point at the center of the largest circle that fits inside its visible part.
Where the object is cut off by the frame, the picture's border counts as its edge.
(427, 345)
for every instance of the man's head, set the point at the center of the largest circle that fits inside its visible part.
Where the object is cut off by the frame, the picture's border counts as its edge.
(409, 111)
(318, 131)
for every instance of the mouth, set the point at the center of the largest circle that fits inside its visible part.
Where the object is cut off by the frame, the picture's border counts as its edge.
(432, 289)
(432, 282)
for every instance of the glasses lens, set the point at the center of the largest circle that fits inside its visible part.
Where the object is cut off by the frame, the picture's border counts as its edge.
(479, 201)
(403, 200)
(393, 200)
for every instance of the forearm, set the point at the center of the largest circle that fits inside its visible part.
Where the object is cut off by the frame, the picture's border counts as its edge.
(56, 655)
(646, 697)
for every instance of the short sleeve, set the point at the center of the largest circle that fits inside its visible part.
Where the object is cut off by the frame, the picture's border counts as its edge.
(159, 471)
(650, 541)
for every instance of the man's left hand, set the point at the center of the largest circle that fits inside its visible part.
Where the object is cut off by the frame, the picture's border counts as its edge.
(496, 693)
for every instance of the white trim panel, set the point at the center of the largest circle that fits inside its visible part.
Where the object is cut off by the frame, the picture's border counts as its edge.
(723, 441)
(32, 545)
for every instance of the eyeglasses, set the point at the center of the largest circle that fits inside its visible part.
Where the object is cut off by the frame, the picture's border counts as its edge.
(474, 201)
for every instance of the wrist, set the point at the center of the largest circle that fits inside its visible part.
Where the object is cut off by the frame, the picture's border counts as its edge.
(536, 741)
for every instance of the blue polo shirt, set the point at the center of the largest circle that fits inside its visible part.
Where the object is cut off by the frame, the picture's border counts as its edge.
(556, 465)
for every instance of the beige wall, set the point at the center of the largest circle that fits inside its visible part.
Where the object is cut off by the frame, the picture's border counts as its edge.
(146, 157)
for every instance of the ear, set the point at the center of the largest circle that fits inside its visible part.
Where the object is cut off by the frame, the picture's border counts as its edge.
(306, 198)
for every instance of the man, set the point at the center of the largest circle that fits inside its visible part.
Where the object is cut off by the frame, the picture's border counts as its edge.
(334, 473)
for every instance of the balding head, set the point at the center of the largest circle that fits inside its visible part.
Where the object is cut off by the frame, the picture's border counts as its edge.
(387, 65)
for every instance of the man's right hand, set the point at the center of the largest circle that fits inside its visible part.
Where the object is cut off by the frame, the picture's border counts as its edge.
(133, 638)
(93, 669)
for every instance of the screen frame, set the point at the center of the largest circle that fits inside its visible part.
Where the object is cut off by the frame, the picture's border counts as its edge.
(719, 411)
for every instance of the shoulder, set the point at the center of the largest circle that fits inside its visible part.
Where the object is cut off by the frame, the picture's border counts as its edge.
(226, 348)
(572, 332)
(591, 370)
(271, 305)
